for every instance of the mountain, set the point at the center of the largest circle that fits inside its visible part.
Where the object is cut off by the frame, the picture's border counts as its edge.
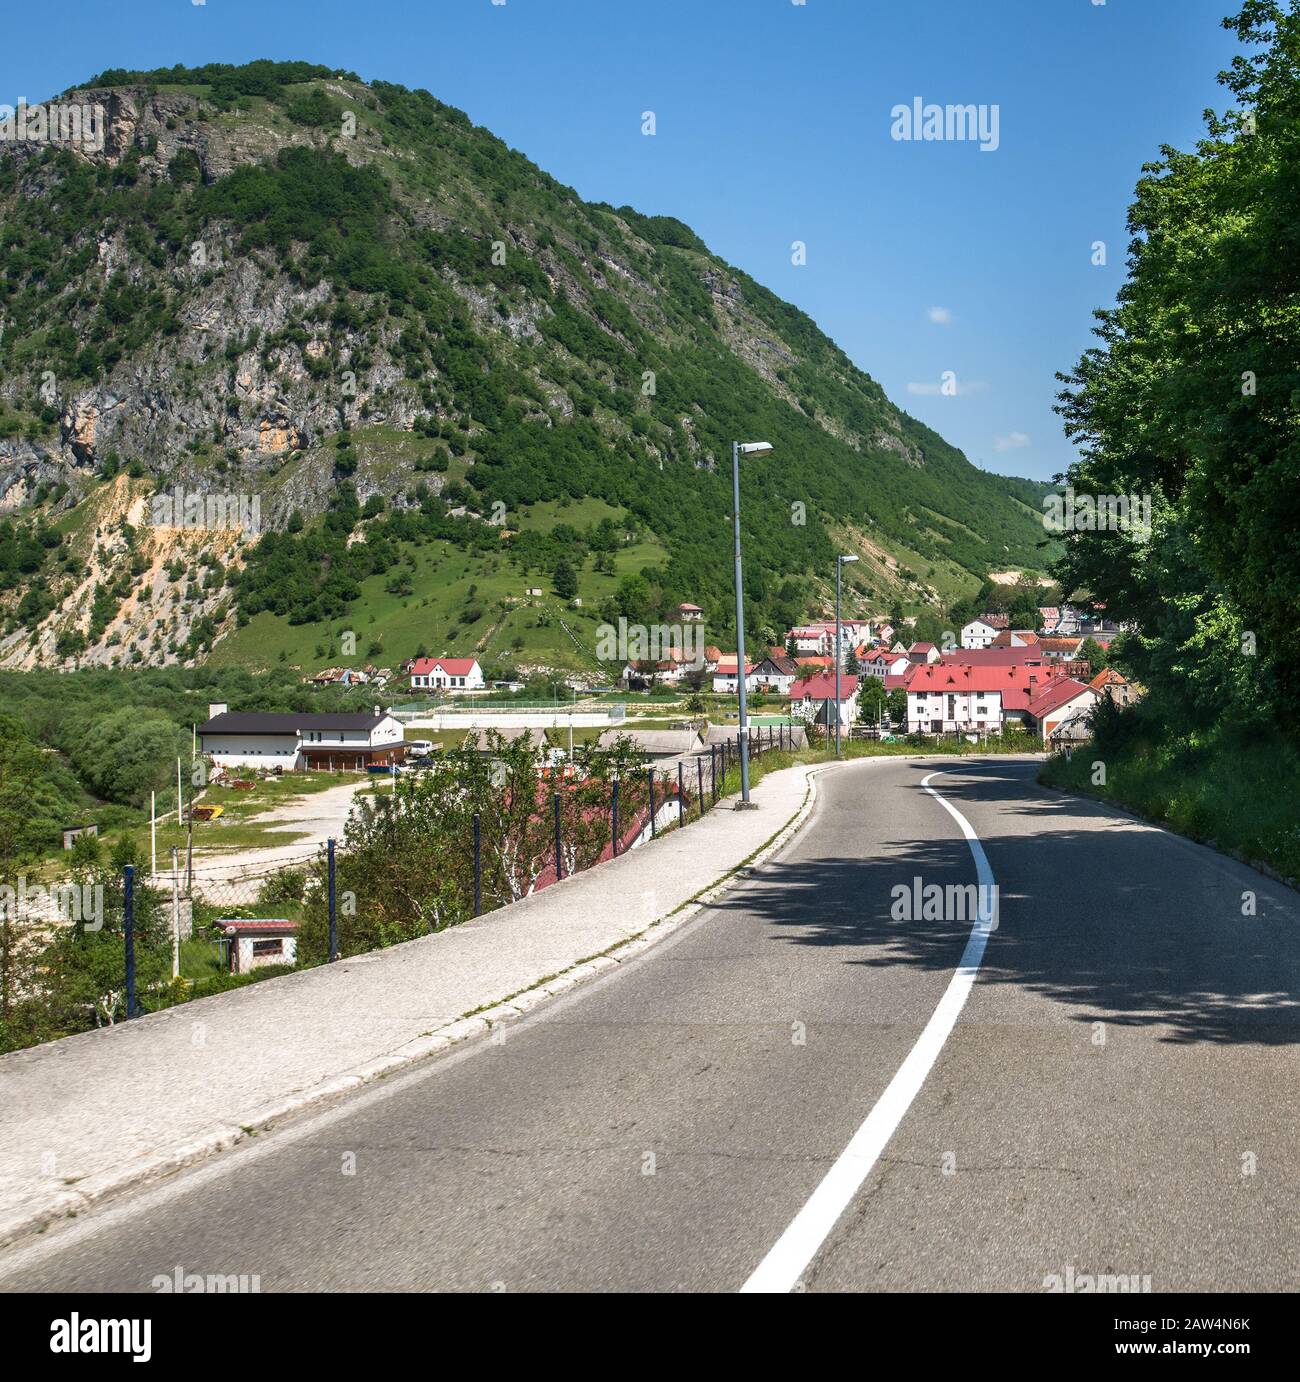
(418, 370)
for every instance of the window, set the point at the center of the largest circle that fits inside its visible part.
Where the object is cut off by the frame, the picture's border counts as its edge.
(268, 947)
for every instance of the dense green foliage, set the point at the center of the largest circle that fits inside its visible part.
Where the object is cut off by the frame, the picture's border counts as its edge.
(87, 747)
(1191, 398)
(610, 363)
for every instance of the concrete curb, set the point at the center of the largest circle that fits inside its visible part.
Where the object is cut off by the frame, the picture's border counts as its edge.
(153, 1166)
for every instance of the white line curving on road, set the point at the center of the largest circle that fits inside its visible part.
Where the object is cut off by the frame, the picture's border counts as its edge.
(780, 1270)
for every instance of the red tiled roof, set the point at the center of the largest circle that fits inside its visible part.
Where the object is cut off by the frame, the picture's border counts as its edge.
(1015, 682)
(822, 688)
(1054, 695)
(816, 660)
(1108, 676)
(991, 657)
(453, 666)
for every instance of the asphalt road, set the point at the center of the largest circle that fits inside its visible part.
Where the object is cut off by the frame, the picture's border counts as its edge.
(1117, 1095)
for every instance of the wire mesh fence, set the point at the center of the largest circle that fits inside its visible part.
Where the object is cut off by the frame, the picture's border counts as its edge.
(117, 941)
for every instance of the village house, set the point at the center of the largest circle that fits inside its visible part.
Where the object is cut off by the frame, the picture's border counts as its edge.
(446, 674)
(689, 614)
(812, 638)
(813, 700)
(292, 740)
(944, 699)
(980, 633)
(923, 652)
(1114, 686)
(776, 672)
(479, 740)
(882, 664)
(1060, 649)
(725, 674)
(1015, 638)
(1061, 709)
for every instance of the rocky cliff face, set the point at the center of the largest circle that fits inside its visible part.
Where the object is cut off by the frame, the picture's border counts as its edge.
(190, 304)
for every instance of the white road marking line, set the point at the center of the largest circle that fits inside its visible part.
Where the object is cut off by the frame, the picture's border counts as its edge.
(779, 1271)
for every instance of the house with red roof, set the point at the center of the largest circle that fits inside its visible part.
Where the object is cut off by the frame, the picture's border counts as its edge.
(812, 638)
(1014, 638)
(1114, 686)
(951, 697)
(903, 679)
(446, 674)
(1066, 649)
(884, 664)
(726, 677)
(813, 699)
(923, 652)
(689, 613)
(1061, 709)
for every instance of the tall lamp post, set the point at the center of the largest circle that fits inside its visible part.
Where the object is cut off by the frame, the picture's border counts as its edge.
(839, 567)
(739, 449)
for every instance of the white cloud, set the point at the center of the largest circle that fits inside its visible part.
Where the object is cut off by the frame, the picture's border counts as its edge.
(1013, 441)
(940, 316)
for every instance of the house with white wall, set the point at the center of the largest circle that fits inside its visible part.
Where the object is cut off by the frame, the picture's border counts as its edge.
(446, 674)
(289, 741)
(813, 700)
(978, 634)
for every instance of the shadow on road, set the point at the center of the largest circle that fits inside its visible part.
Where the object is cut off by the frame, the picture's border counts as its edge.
(1120, 922)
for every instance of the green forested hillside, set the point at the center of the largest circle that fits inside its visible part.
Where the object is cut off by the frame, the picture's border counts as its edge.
(268, 265)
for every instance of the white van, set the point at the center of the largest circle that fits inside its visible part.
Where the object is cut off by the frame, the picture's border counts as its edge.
(418, 748)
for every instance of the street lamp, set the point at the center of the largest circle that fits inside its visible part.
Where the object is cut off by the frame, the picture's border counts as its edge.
(739, 449)
(839, 567)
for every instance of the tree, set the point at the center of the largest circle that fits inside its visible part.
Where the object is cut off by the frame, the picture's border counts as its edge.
(565, 580)
(1187, 404)
(871, 700)
(1097, 658)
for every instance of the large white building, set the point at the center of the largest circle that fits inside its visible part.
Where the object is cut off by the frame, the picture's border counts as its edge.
(446, 674)
(290, 741)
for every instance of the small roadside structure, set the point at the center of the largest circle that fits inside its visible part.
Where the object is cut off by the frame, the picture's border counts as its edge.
(255, 944)
(74, 832)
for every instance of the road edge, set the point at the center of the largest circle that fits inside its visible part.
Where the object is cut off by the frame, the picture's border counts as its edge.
(151, 1167)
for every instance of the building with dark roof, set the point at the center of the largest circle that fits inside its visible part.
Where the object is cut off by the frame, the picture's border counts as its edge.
(292, 740)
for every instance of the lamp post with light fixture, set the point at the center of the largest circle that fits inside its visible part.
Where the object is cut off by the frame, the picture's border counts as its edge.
(739, 449)
(839, 567)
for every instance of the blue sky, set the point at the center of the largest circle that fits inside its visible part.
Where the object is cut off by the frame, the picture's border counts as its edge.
(773, 125)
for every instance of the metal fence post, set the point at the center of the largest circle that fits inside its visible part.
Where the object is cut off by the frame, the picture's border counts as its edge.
(559, 852)
(128, 927)
(334, 915)
(613, 817)
(650, 780)
(699, 784)
(478, 865)
(713, 769)
(681, 800)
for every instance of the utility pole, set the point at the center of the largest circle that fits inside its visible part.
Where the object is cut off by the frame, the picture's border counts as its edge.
(839, 567)
(748, 448)
(176, 915)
